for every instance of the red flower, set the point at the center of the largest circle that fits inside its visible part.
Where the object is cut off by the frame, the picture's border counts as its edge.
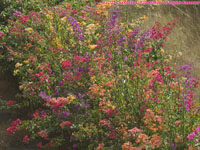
(66, 123)
(98, 1)
(10, 103)
(110, 112)
(26, 139)
(11, 130)
(14, 126)
(66, 64)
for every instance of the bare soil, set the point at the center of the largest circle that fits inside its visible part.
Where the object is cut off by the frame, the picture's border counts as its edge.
(8, 90)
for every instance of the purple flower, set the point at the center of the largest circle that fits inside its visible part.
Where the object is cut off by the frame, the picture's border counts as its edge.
(81, 95)
(173, 145)
(197, 130)
(43, 112)
(17, 13)
(60, 83)
(76, 28)
(56, 91)
(191, 136)
(67, 113)
(74, 146)
(77, 107)
(125, 58)
(44, 96)
(85, 104)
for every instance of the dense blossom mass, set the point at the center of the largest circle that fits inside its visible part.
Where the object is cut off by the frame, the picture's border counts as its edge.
(96, 80)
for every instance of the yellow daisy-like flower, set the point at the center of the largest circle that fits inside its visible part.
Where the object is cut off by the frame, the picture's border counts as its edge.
(92, 46)
(15, 72)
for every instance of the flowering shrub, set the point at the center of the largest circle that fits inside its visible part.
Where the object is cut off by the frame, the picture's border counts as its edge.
(96, 82)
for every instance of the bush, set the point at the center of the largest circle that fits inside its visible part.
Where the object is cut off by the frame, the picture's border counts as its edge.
(95, 82)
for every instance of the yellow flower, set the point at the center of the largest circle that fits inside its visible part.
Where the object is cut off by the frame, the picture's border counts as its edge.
(71, 41)
(29, 30)
(26, 61)
(63, 19)
(71, 98)
(21, 87)
(92, 78)
(15, 72)
(83, 23)
(111, 106)
(162, 51)
(18, 65)
(92, 46)
(130, 31)
(50, 17)
(144, 18)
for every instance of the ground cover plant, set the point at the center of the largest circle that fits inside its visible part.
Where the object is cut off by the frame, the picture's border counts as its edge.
(93, 80)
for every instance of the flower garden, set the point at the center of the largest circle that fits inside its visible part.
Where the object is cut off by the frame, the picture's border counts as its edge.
(91, 79)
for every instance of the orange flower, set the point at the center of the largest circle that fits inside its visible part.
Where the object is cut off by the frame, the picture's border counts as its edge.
(100, 146)
(177, 123)
(155, 141)
(127, 146)
(142, 138)
(178, 139)
(159, 119)
(190, 147)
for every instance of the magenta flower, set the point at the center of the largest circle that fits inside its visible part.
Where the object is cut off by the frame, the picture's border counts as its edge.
(66, 64)
(191, 136)
(17, 13)
(2, 34)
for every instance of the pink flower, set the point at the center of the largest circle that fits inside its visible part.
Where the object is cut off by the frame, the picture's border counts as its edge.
(134, 131)
(43, 134)
(26, 139)
(39, 144)
(66, 123)
(11, 130)
(14, 126)
(66, 64)
(2, 34)
(105, 122)
(10, 103)
(111, 112)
